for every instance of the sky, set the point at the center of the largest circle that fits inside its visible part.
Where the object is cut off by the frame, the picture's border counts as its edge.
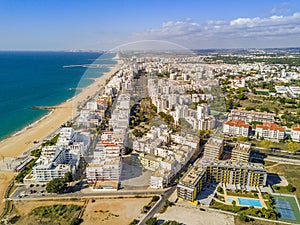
(104, 25)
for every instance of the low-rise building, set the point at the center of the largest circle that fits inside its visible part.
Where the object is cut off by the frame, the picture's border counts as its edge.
(249, 116)
(270, 131)
(295, 134)
(236, 128)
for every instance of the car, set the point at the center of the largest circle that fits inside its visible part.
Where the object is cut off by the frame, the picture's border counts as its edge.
(31, 185)
(201, 209)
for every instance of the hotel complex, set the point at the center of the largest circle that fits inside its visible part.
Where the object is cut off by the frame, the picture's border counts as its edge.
(236, 172)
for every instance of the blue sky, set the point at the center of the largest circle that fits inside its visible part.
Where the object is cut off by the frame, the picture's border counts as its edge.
(91, 24)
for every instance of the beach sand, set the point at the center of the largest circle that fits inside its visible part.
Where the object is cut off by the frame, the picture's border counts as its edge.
(16, 145)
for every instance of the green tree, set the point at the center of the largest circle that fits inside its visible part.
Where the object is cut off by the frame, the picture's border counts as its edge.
(243, 217)
(265, 144)
(76, 221)
(220, 189)
(152, 221)
(233, 203)
(155, 198)
(36, 153)
(68, 177)
(291, 188)
(134, 222)
(56, 185)
(293, 146)
(242, 139)
(171, 222)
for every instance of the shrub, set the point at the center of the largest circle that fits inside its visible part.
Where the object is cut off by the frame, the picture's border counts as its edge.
(76, 221)
(243, 217)
(155, 198)
(220, 189)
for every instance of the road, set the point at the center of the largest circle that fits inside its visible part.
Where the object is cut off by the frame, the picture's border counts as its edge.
(283, 160)
(263, 157)
(79, 195)
(158, 205)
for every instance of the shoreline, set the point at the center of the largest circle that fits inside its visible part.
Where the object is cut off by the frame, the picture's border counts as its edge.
(21, 141)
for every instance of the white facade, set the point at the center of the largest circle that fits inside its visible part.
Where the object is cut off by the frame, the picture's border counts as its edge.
(295, 135)
(236, 128)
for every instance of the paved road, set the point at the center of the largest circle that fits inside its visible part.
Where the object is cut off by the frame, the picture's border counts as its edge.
(283, 160)
(158, 205)
(78, 194)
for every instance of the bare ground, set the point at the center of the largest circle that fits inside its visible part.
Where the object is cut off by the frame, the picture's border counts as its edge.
(113, 211)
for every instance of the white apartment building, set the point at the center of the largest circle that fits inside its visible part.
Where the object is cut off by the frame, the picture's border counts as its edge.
(66, 136)
(295, 135)
(270, 131)
(46, 169)
(236, 128)
(249, 116)
(108, 170)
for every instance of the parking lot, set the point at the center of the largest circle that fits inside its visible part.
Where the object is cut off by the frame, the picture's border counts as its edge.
(31, 190)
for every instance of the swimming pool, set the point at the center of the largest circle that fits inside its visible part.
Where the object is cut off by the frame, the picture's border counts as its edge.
(247, 202)
(250, 202)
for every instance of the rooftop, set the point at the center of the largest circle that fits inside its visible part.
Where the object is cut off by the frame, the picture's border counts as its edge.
(237, 123)
(270, 126)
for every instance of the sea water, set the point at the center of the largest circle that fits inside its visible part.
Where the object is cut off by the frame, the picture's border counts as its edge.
(30, 79)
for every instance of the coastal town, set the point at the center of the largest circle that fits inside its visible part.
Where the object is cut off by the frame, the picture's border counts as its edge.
(195, 136)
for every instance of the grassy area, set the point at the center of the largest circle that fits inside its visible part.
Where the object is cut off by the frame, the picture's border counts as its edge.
(55, 214)
(291, 173)
(243, 194)
(273, 106)
(27, 170)
(289, 146)
(237, 221)
(284, 189)
(269, 163)
(264, 213)
(51, 141)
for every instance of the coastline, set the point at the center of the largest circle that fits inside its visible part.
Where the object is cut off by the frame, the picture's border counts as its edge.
(22, 140)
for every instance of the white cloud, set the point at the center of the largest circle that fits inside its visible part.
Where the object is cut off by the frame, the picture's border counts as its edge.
(273, 31)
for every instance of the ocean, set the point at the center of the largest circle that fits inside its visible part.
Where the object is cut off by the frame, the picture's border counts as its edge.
(41, 79)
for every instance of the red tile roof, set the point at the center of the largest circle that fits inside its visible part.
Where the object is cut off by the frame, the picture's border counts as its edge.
(296, 127)
(237, 123)
(270, 126)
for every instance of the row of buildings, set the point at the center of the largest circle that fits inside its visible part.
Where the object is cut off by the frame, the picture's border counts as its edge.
(163, 153)
(239, 125)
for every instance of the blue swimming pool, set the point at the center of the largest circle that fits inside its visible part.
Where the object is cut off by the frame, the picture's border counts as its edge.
(247, 202)
(250, 202)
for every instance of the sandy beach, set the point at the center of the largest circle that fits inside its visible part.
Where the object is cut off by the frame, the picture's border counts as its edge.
(17, 144)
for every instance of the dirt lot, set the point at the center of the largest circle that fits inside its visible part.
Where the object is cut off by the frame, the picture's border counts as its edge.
(191, 215)
(5, 178)
(113, 211)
